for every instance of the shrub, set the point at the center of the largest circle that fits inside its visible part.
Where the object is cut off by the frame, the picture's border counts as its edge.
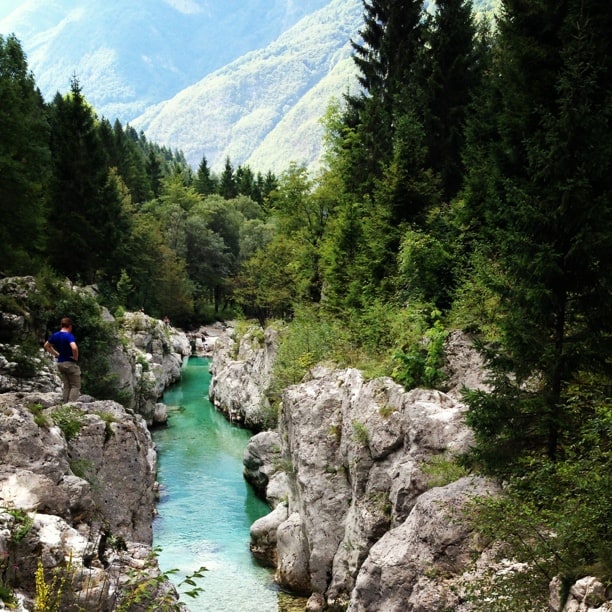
(360, 433)
(39, 416)
(421, 364)
(442, 470)
(69, 419)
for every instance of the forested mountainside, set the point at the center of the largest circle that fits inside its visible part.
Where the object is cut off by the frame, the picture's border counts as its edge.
(244, 79)
(264, 108)
(131, 55)
(465, 185)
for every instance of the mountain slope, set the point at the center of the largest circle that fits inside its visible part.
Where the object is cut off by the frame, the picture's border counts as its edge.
(261, 109)
(249, 80)
(130, 55)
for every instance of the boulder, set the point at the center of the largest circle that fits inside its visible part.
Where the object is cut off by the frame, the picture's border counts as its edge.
(242, 375)
(264, 536)
(413, 566)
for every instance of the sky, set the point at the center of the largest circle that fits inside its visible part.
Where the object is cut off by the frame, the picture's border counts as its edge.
(6, 6)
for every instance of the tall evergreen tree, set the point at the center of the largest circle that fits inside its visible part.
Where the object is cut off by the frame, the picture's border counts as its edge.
(245, 181)
(24, 162)
(549, 197)
(451, 69)
(130, 162)
(205, 183)
(392, 39)
(154, 172)
(86, 206)
(227, 181)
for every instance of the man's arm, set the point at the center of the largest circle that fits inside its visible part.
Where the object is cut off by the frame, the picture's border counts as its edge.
(75, 351)
(50, 349)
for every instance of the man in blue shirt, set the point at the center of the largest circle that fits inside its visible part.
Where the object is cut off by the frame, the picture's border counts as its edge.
(62, 344)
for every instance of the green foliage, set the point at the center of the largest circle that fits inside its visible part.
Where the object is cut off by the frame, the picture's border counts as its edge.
(7, 596)
(39, 416)
(442, 470)
(108, 419)
(69, 419)
(421, 364)
(95, 337)
(81, 468)
(546, 222)
(22, 526)
(24, 162)
(561, 511)
(152, 594)
(24, 358)
(360, 433)
(476, 307)
(493, 216)
(306, 342)
(425, 268)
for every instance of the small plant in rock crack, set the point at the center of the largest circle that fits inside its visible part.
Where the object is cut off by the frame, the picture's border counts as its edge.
(39, 416)
(153, 594)
(23, 524)
(69, 419)
(360, 433)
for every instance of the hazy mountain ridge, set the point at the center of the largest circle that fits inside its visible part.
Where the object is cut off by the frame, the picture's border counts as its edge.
(263, 109)
(248, 80)
(131, 55)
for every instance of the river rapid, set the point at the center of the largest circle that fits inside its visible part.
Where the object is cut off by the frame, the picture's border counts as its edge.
(206, 507)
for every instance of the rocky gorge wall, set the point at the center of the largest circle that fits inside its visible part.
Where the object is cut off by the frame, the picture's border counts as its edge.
(366, 512)
(78, 481)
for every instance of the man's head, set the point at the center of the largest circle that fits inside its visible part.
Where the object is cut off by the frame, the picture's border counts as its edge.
(66, 322)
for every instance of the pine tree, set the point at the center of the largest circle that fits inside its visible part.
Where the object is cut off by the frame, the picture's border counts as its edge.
(86, 221)
(154, 172)
(227, 181)
(392, 39)
(451, 74)
(24, 162)
(550, 198)
(205, 183)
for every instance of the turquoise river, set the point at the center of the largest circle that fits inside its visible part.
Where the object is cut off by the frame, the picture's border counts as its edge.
(206, 507)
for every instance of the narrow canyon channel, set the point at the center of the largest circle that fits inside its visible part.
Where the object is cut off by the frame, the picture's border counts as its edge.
(206, 507)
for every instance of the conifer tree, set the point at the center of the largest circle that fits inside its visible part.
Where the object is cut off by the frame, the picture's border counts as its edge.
(24, 162)
(392, 39)
(154, 172)
(548, 204)
(227, 181)
(205, 183)
(86, 221)
(450, 76)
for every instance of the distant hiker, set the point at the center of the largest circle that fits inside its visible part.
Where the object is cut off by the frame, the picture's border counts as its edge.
(62, 344)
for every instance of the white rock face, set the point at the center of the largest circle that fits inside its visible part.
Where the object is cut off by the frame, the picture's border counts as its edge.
(148, 361)
(241, 376)
(358, 451)
(77, 482)
(402, 570)
(358, 521)
(73, 479)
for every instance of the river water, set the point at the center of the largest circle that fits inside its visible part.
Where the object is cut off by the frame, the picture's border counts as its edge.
(206, 507)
